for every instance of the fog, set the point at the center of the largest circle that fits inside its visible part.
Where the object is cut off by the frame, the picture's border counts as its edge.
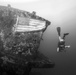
(61, 13)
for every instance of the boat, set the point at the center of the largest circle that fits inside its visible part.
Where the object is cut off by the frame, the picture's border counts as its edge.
(20, 36)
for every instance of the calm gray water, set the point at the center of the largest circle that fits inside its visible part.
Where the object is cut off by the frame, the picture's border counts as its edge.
(65, 63)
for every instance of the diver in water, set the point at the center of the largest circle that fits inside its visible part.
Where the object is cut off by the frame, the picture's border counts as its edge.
(61, 44)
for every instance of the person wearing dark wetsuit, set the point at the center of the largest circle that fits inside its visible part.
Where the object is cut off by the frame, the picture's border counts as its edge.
(61, 44)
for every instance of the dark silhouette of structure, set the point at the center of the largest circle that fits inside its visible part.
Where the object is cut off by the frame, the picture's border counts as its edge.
(20, 36)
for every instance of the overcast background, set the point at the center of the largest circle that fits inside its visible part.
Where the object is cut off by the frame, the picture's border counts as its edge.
(61, 13)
